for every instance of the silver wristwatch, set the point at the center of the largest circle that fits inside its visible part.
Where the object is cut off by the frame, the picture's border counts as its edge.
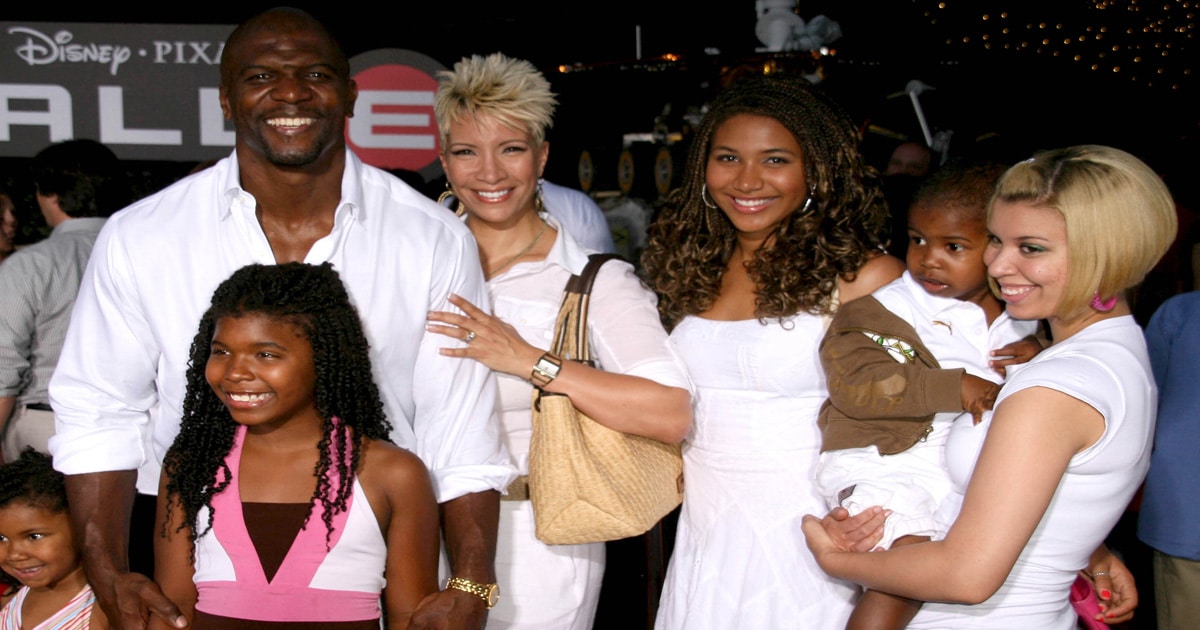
(545, 370)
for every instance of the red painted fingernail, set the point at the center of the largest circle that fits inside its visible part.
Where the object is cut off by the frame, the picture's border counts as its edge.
(1105, 593)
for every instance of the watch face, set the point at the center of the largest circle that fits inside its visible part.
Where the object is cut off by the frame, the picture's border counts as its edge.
(493, 595)
(547, 367)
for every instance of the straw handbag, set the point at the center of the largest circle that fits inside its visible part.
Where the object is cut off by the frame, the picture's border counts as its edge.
(587, 482)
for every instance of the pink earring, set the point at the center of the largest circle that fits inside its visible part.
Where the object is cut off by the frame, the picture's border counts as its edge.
(1103, 306)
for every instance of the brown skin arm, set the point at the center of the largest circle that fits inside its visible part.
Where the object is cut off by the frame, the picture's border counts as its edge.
(411, 529)
(100, 505)
(98, 620)
(877, 610)
(173, 568)
(469, 525)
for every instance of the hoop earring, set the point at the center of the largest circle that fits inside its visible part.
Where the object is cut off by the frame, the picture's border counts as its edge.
(460, 209)
(808, 202)
(1103, 305)
(539, 203)
(704, 196)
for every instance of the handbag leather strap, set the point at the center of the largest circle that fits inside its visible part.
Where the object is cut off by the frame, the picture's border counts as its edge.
(570, 336)
(582, 283)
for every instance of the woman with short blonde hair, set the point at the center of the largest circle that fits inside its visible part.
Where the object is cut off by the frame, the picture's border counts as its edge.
(493, 113)
(1048, 474)
(1120, 216)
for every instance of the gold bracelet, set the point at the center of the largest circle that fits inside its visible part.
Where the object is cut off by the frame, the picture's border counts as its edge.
(489, 593)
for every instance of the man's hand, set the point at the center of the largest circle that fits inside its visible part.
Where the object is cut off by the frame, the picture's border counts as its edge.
(469, 526)
(450, 609)
(100, 506)
(129, 600)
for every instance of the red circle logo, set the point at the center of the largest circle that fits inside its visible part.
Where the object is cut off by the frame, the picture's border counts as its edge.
(393, 126)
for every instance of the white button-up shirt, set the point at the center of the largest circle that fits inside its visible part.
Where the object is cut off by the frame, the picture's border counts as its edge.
(120, 382)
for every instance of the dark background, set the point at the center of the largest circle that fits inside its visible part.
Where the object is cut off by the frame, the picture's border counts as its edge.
(1009, 77)
(1032, 93)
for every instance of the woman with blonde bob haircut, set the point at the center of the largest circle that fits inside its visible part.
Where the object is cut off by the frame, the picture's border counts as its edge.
(1120, 216)
(493, 113)
(1051, 470)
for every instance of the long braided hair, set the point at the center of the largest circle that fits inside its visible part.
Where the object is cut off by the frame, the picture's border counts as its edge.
(689, 243)
(312, 298)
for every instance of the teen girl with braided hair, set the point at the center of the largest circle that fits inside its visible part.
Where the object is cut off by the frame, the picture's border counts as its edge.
(282, 499)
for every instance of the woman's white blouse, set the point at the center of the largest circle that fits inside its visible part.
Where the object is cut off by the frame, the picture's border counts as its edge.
(624, 330)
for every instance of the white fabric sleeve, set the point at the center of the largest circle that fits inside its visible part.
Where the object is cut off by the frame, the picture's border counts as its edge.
(625, 331)
(104, 383)
(456, 432)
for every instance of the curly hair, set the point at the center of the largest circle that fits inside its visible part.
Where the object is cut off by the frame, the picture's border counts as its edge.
(312, 298)
(689, 243)
(32, 480)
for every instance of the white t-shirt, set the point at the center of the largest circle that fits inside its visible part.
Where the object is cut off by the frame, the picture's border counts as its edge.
(1106, 366)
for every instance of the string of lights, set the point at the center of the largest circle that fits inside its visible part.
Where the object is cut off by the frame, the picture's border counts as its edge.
(1149, 42)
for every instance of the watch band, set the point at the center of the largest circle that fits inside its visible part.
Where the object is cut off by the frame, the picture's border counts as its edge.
(545, 370)
(489, 593)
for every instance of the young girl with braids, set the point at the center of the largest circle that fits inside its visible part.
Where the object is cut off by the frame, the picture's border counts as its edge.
(282, 499)
(778, 219)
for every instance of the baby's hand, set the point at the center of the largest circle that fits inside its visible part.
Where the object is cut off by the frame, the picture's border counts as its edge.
(1015, 353)
(978, 396)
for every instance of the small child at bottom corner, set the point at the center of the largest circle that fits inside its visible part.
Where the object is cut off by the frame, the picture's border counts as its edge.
(282, 500)
(906, 363)
(38, 550)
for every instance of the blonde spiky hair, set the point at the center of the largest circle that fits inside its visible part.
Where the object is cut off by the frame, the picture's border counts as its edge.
(510, 90)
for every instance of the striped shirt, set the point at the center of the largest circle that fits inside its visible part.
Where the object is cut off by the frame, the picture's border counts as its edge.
(76, 615)
(38, 285)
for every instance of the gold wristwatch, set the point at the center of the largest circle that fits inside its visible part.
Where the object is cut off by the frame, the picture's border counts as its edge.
(545, 370)
(489, 593)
